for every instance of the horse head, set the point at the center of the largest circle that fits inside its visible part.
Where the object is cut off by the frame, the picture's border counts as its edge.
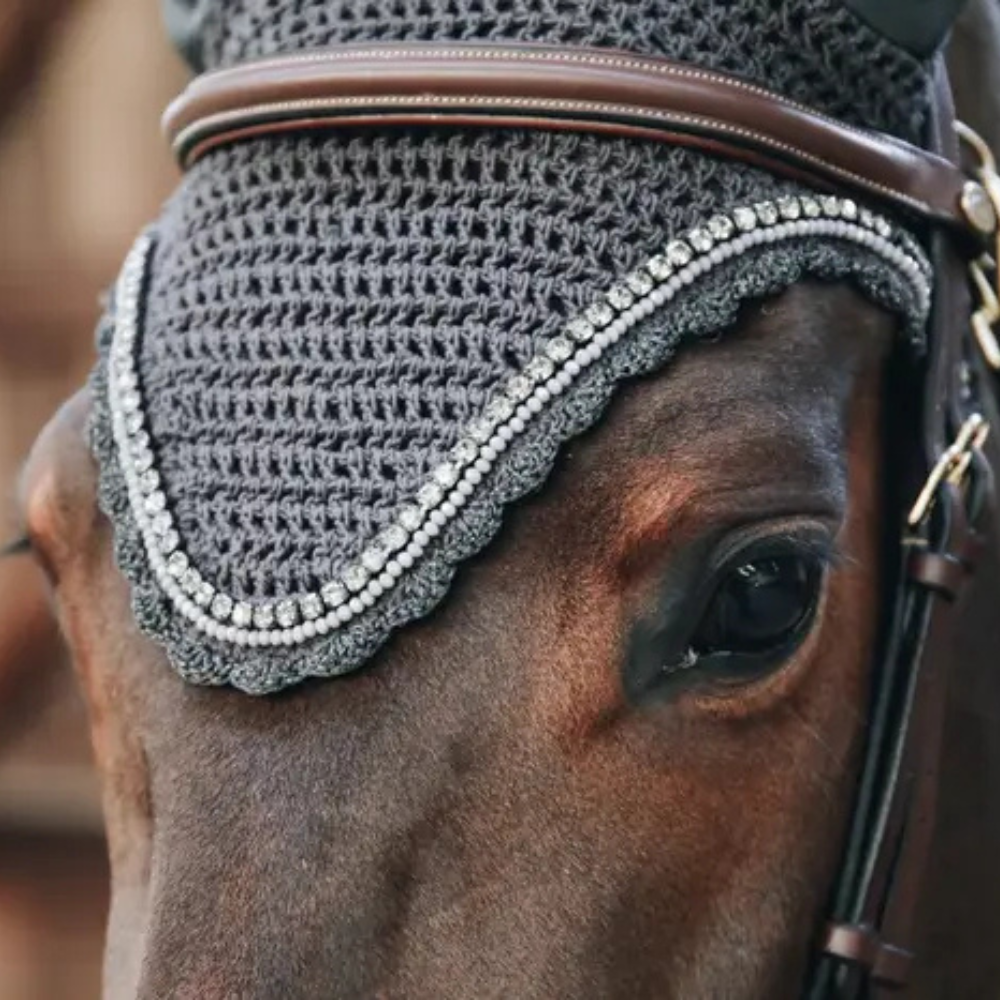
(616, 753)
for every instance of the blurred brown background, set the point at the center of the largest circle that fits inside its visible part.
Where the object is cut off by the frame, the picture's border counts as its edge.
(82, 166)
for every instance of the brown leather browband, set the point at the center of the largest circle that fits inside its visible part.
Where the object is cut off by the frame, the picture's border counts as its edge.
(577, 89)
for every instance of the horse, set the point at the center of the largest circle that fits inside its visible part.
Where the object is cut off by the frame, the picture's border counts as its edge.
(514, 798)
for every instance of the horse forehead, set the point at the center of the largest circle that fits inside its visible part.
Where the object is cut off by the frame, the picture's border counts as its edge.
(785, 372)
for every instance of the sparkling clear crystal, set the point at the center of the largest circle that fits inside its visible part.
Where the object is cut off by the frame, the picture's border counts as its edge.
(882, 227)
(789, 208)
(142, 459)
(334, 594)
(810, 207)
(242, 614)
(620, 297)
(849, 209)
(149, 481)
(169, 541)
(203, 594)
(831, 205)
(501, 409)
(580, 329)
(464, 452)
(394, 537)
(411, 517)
(263, 615)
(518, 388)
(161, 523)
(659, 267)
(155, 502)
(559, 349)
(222, 607)
(539, 369)
(190, 581)
(287, 613)
(868, 218)
(446, 474)
(745, 219)
(130, 401)
(133, 423)
(639, 283)
(373, 558)
(177, 564)
(767, 212)
(429, 495)
(721, 227)
(679, 253)
(600, 314)
(355, 578)
(480, 430)
(311, 607)
(701, 240)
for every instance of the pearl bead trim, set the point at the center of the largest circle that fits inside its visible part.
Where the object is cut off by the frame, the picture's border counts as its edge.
(557, 364)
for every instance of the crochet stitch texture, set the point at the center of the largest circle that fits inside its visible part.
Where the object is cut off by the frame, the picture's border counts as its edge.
(326, 313)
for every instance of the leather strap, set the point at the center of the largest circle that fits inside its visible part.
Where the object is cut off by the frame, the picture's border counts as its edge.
(595, 90)
(868, 944)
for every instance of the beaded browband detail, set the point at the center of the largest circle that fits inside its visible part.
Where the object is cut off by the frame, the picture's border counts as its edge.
(296, 619)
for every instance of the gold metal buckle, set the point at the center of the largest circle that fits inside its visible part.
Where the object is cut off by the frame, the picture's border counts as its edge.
(952, 466)
(981, 208)
(986, 316)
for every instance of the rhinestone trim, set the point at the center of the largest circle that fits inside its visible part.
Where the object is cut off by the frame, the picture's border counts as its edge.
(556, 365)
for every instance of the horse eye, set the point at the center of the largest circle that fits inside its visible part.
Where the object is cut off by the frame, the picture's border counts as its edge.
(759, 612)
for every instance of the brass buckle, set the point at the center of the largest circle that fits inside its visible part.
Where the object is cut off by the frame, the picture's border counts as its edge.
(952, 466)
(986, 316)
(981, 207)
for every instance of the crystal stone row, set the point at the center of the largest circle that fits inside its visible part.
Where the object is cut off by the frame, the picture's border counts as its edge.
(556, 364)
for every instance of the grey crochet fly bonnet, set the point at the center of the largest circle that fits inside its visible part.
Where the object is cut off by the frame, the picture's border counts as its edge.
(337, 357)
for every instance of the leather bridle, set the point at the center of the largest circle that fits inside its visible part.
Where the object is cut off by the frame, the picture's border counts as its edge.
(943, 485)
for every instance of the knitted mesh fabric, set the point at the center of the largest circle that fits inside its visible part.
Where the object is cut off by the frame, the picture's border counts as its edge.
(327, 312)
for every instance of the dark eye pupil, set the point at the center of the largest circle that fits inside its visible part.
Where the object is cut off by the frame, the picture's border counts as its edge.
(759, 605)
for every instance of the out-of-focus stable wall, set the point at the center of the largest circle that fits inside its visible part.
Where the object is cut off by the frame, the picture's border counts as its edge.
(82, 167)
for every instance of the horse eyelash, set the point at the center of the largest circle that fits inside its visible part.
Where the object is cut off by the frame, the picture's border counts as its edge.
(18, 546)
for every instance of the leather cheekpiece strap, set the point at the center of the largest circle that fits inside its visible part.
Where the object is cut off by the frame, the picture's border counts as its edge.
(578, 89)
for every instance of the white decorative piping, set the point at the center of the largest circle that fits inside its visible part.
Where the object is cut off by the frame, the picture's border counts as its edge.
(555, 366)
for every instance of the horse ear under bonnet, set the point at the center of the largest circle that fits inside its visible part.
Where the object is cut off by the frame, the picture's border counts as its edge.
(339, 355)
